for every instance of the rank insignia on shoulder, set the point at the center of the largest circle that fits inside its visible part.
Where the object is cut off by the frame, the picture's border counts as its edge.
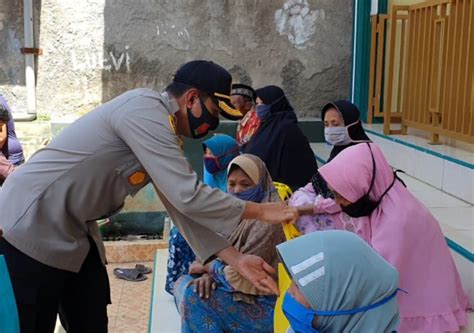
(174, 127)
(172, 122)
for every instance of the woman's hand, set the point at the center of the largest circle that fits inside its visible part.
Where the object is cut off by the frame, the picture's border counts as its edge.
(197, 268)
(305, 210)
(204, 285)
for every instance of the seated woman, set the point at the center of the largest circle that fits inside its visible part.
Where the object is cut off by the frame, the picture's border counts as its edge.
(342, 129)
(339, 284)
(10, 146)
(6, 167)
(219, 150)
(403, 231)
(221, 300)
(279, 142)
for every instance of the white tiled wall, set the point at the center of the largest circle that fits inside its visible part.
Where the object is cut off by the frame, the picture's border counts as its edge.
(458, 180)
(466, 272)
(445, 175)
(428, 168)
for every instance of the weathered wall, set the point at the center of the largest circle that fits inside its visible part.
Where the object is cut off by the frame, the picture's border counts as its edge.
(96, 49)
(12, 64)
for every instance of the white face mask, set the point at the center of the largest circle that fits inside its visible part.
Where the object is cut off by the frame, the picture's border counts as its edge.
(337, 136)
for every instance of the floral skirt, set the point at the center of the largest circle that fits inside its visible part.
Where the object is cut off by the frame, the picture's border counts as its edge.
(220, 313)
(180, 256)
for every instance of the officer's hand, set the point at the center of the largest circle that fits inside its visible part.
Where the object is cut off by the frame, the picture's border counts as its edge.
(277, 212)
(204, 285)
(257, 271)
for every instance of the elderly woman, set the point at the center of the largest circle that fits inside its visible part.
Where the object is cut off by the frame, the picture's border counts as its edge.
(219, 150)
(279, 142)
(339, 284)
(385, 214)
(342, 129)
(220, 299)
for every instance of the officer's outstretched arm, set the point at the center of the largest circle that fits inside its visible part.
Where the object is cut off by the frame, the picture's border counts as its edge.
(273, 212)
(252, 267)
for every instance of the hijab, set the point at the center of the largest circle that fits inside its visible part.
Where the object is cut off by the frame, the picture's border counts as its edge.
(253, 236)
(280, 143)
(351, 116)
(335, 270)
(403, 231)
(225, 148)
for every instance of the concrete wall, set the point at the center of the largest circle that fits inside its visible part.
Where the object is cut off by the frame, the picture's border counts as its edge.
(12, 64)
(96, 49)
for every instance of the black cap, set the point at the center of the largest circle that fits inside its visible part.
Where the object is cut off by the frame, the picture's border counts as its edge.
(243, 90)
(212, 79)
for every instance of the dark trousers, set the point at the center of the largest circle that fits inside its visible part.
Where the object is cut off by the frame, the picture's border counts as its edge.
(42, 292)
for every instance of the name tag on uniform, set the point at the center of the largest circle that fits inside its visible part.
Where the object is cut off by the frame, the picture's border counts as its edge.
(137, 178)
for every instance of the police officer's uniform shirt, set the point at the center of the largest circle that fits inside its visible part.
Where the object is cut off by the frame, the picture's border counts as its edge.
(49, 205)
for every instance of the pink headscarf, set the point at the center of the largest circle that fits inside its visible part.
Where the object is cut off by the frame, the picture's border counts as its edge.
(405, 233)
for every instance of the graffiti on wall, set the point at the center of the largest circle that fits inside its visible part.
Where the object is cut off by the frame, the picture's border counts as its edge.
(298, 22)
(176, 36)
(109, 61)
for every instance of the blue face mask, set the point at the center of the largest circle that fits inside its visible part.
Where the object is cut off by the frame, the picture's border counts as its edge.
(262, 111)
(254, 194)
(301, 318)
(211, 164)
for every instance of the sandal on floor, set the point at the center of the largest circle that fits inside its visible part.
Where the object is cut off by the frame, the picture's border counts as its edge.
(143, 269)
(129, 274)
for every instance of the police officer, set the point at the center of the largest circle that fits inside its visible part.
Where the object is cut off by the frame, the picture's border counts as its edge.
(48, 206)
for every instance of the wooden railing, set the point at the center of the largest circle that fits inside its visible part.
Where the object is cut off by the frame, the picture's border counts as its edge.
(429, 68)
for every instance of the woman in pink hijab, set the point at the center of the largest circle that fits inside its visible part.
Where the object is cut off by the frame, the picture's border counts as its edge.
(403, 231)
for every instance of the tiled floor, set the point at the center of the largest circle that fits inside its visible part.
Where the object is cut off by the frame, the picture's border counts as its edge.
(130, 306)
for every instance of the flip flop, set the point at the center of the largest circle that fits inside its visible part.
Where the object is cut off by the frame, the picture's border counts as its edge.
(129, 274)
(143, 269)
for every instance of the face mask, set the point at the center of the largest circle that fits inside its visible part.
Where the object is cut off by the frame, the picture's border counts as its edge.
(299, 316)
(202, 125)
(262, 111)
(337, 136)
(254, 194)
(211, 164)
(365, 206)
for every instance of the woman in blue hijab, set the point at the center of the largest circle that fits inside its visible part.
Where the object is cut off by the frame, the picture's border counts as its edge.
(219, 151)
(340, 284)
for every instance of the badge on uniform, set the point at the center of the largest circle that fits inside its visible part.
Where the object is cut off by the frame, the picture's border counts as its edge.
(137, 178)
(174, 127)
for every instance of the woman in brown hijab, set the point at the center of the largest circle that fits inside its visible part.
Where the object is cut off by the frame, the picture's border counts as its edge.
(215, 297)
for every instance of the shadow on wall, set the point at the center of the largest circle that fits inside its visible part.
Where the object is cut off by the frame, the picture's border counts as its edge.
(282, 42)
(12, 64)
